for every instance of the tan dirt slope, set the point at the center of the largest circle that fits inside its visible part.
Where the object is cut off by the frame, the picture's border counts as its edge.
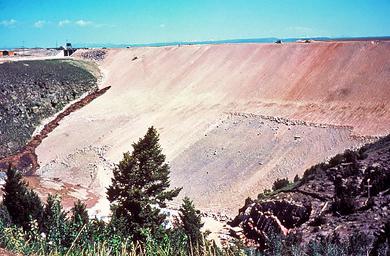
(206, 97)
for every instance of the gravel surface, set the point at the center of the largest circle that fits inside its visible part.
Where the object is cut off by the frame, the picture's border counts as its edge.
(95, 55)
(243, 154)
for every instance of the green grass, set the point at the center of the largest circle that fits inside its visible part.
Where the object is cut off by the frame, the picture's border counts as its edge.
(16, 240)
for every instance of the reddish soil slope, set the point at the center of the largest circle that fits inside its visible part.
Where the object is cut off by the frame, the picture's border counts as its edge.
(188, 91)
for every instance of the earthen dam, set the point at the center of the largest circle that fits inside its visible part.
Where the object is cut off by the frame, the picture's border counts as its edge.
(232, 117)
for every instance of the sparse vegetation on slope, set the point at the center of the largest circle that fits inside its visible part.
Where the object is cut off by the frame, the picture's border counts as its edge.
(338, 208)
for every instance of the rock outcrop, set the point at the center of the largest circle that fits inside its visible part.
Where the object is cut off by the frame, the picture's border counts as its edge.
(259, 220)
(347, 197)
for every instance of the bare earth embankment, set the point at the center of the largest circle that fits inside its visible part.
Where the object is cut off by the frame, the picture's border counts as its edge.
(214, 106)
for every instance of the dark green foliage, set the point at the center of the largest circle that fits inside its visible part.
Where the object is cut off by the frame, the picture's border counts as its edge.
(266, 193)
(318, 221)
(358, 244)
(280, 183)
(296, 178)
(98, 230)
(79, 227)
(55, 223)
(312, 171)
(343, 205)
(177, 238)
(22, 204)
(5, 217)
(378, 178)
(325, 246)
(344, 202)
(141, 183)
(348, 156)
(79, 214)
(191, 221)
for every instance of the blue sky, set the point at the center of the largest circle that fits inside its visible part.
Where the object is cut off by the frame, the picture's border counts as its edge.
(45, 22)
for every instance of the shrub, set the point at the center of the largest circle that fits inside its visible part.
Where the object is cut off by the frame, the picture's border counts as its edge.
(379, 179)
(55, 223)
(266, 193)
(344, 202)
(318, 221)
(344, 205)
(191, 221)
(22, 203)
(5, 217)
(348, 156)
(312, 171)
(79, 214)
(280, 183)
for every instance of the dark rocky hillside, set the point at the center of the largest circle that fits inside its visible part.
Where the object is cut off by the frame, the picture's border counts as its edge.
(33, 90)
(343, 201)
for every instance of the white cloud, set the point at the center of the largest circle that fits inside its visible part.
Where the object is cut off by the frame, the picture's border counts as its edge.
(39, 24)
(7, 23)
(83, 23)
(63, 23)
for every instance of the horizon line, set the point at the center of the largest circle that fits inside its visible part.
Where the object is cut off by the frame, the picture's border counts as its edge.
(221, 41)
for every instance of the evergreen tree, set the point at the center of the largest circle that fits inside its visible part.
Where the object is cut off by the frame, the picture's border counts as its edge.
(79, 214)
(55, 223)
(5, 218)
(79, 226)
(192, 221)
(140, 185)
(22, 204)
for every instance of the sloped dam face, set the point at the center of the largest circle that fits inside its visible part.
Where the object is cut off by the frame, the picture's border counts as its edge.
(232, 118)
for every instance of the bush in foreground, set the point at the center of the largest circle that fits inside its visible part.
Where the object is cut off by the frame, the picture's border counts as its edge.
(140, 187)
(23, 204)
(191, 221)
